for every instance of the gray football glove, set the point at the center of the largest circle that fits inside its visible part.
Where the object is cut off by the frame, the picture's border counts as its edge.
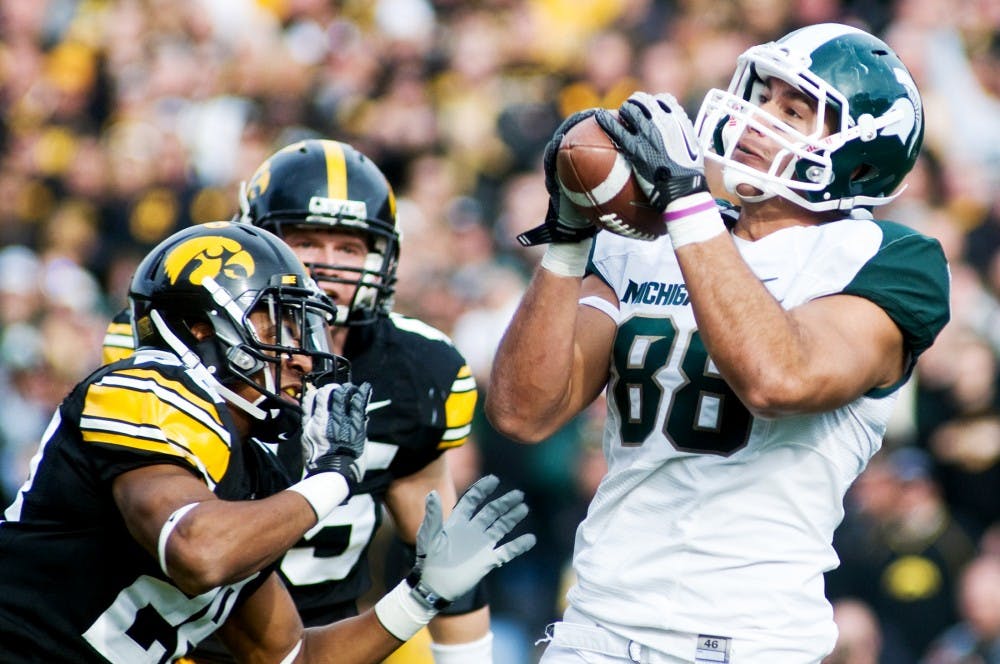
(656, 136)
(334, 429)
(454, 556)
(563, 222)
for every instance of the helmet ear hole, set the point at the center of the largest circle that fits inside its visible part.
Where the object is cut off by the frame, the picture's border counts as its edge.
(864, 173)
(200, 329)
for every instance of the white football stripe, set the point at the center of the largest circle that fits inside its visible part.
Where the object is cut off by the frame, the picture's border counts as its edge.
(621, 171)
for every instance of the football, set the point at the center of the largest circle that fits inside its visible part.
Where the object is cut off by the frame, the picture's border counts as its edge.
(598, 180)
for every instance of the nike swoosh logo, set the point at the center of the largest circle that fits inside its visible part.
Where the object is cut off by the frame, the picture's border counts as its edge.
(375, 405)
(691, 152)
(764, 281)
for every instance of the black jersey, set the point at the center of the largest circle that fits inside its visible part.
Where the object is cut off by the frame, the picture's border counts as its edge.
(422, 401)
(74, 585)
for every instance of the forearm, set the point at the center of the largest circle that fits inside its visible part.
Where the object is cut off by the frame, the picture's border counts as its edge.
(221, 542)
(462, 639)
(531, 385)
(461, 628)
(756, 344)
(358, 640)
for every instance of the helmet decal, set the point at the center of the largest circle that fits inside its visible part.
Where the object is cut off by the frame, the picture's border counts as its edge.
(260, 180)
(338, 207)
(209, 256)
(903, 127)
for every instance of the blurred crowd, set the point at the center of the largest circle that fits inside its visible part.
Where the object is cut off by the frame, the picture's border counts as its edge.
(125, 120)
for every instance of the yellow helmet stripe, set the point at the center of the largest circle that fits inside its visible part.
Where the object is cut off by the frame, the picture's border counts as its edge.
(336, 170)
(392, 200)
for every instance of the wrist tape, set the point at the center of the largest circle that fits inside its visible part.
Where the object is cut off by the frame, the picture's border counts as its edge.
(568, 259)
(693, 218)
(324, 491)
(479, 651)
(401, 613)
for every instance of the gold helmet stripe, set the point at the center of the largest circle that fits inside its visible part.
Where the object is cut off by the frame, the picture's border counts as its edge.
(392, 201)
(336, 170)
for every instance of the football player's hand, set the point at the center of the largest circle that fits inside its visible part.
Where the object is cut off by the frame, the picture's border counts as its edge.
(563, 222)
(452, 557)
(334, 429)
(656, 136)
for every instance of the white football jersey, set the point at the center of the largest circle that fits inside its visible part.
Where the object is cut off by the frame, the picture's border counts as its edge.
(710, 520)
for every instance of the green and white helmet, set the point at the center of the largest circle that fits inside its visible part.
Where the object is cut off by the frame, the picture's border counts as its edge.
(879, 128)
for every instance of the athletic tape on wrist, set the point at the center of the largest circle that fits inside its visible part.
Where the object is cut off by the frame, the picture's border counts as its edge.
(479, 651)
(167, 530)
(693, 218)
(400, 612)
(569, 259)
(324, 491)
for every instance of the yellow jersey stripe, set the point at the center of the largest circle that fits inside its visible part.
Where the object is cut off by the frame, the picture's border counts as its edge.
(459, 409)
(119, 334)
(170, 412)
(145, 402)
(118, 343)
(336, 170)
(146, 379)
(111, 354)
(447, 445)
(149, 439)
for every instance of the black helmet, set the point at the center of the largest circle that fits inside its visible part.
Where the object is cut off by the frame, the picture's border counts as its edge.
(328, 184)
(220, 273)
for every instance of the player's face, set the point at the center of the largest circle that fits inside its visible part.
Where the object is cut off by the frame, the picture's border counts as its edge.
(326, 250)
(284, 332)
(792, 107)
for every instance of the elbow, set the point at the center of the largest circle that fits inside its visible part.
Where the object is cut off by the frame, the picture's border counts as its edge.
(775, 394)
(511, 423)
(197, 566)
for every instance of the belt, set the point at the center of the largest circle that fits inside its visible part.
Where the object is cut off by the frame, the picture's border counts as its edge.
(596, 639)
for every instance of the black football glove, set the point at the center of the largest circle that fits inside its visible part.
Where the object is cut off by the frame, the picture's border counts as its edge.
(656, 136)
(563, 222)
(334, 429)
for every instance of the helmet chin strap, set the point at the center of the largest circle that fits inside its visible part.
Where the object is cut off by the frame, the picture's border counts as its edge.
(343, 312)
(196, 366)
(732, 178)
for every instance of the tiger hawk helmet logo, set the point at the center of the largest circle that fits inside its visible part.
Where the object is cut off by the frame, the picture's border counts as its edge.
(259, 182)
(208, 256)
